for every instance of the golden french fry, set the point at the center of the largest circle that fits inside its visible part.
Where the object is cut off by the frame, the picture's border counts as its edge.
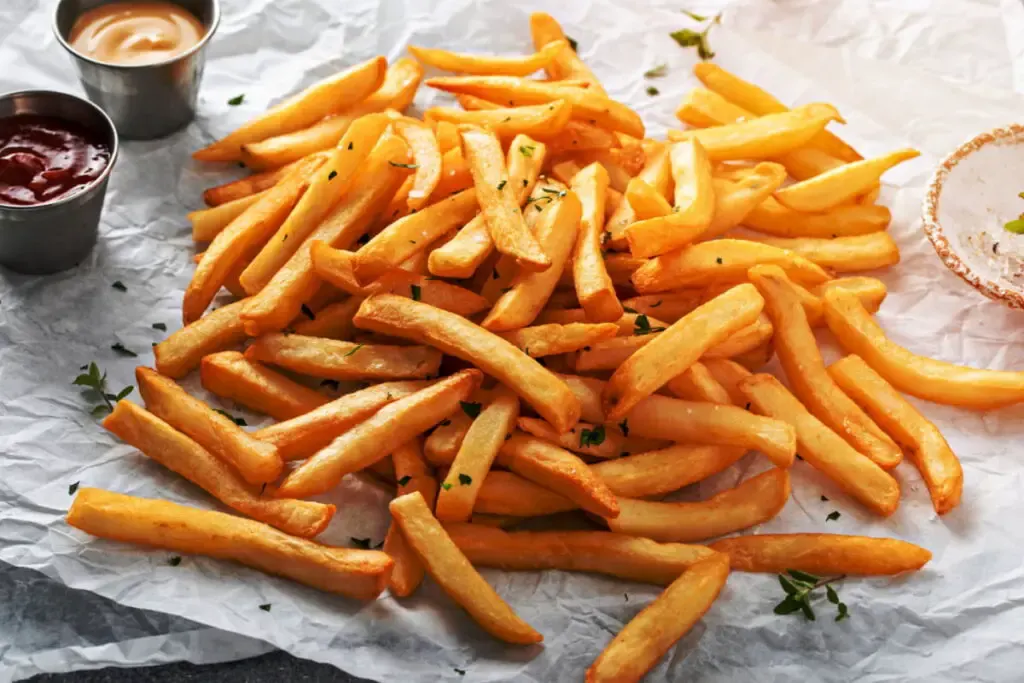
(822, 448)
(426, 155)
(327, 97)
(182, 352)
(655, 473)
(480, 446)
(456, 336)
(825, 554)
(801, 359)
(229, 375)
(281, 300)
(729, 374)
(246, 187)
(442, 444)
(843, 254)
(505, 493)
(333, 359)
(670, 306)
(653, 632)
(371, 440)
(551, 339)
(744, 340)
(566, 65)
(822, 192)
(414, 476)
(447, 134)
(625, 326)
(177, 452)
(720, 261)
(208, 223)
(487, 65)
(677, 348)
(396, 92)
(537, 121)
(656, 173)
(588, 439)
(452, 571)
(645, 201)
(773, 218)
(754, 501)
(359, 574)
(702, 108)
(871, 291)
(698, 384)
(921, 439)
(254, 226)
(334, 321)
(599, 552)
(734, 200)
(594, 288)
(588, 104)
(256, 461)
(578, 136)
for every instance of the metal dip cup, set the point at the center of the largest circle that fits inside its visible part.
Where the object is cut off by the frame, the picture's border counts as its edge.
(149, 100)
(56, 235)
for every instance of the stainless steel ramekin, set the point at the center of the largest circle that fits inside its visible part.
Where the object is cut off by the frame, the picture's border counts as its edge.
(56, 235)
(149, 100)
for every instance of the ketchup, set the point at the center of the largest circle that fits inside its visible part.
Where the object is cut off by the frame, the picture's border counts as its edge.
(43, 158)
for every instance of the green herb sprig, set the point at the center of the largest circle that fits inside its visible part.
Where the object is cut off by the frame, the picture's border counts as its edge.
(686, 37)
(800, 586)
(96, 384)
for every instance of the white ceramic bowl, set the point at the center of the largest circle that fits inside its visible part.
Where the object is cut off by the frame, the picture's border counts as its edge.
(972, 195)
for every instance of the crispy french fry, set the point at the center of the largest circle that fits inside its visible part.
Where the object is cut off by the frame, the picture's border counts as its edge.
(442, 445)
(825, 554)
(359, 574)
(599, 552)
(411, 469)
(578, 136)
(374, 438)
(657, 173)
(822, 192)
(327, 97)
(702, 108)
(754, 501)
(798, 352)
(459, 337)
(559, 470)
(229, 375)
(551, 339)
(334, 321)
(537, 121)
(506, 493)
(773, 218)
(721, 261)
(744, 340)
(822, 448)
(218, 330)
(625, 326)
(250, 185)
(303, 435)
(677, 348)
(177, 452)
(670, 306)
(645, 201)
(484, 437)
(447, 134)
(843, 254)
(396, 92)
(729, 374)
(698, 384)
(333, 359)
(921, 439)
(587, 103)
(254, 226)
(208, 223)
(426, 155)
(432, 291)
(653, 632)
(566, 65)
(487, 65)
(280, 301)
(256, 461)
(452, 571)
(655, 473)
(594, 288)
(588, 439)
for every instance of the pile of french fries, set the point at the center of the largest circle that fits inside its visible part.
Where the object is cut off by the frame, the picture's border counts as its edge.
(549, 313)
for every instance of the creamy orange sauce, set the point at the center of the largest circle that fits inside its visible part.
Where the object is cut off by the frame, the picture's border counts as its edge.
(133, 33)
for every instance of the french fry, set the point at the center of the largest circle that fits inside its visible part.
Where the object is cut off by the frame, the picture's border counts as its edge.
(218, 330)
(432, 291)
(721, 261)
(505, 493)
(677, 348)
(329, 183)
(758, 358)
(578, 136)
(656, 173)
(598, 552)
(698, 384)
(253, 184)
(413, 476)
(556, 234)
(371, 440)
(229, 375)
(824, 554)
(921, 440)
(566, 65)
(764, 137)
(536, 121)
(670, 306)
(254, 226)
(843, 254)
(334, 321)
(452, 571)
(256, 461)
(426, 155)
(484, 437)
(625, 326)
(560, 471)
(754, 501)
(702, 108)
(798, 352)
(655, 473)
(327, 97)
(645, 201)
(359, 574)
(548, 340)
(280, 301)
(729, 374)
(587, 104)
(442, 444)
(447, 134)
(744, 340)
(208, 223)
(774, 219)
(594, 288)
(396, 92)
(178, 453)
(588, 439)
(871, 291)
(653, 632)
(823, 448)
(841, 184)
(333, 359)
(303, 435)
(487, 65)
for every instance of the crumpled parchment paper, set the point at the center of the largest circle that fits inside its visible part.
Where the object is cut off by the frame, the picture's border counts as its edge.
(925, 73)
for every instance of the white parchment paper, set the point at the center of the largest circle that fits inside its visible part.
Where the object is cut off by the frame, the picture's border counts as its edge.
(923, 73)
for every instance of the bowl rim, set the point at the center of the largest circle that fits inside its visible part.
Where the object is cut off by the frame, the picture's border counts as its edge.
(933, 228)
